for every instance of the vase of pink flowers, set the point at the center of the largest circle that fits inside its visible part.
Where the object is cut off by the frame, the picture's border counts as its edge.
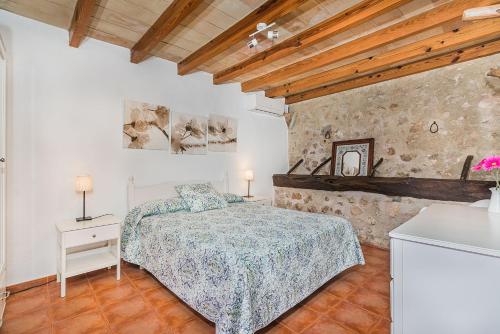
(492, 165)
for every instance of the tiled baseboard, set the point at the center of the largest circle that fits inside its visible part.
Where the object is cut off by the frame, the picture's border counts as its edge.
(30, 284)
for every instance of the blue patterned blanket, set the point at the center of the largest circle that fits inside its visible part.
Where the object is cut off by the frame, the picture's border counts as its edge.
(242, 266)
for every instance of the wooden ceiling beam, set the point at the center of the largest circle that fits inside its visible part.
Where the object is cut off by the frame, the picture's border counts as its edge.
(471, 33)
(168, 21)
(84, 10)
(442, 14)
(458, 56)
(268, 12)
(337, 24)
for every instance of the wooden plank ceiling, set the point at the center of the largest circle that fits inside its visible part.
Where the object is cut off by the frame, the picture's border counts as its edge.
(324, 46)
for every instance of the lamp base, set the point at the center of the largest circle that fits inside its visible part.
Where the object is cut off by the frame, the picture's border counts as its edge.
(81, 219)
(247, 196)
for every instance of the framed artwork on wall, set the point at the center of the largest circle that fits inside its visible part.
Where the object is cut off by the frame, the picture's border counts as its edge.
(189, 134)
(222, 133)
(352, 157)
(155, 127)
(146, 126)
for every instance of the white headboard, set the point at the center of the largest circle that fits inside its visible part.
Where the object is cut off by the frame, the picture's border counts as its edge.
(140, 194)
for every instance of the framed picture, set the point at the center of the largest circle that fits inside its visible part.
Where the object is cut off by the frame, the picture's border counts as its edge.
(352, 157)
(146, 126)
(189, 134)
(222, 133)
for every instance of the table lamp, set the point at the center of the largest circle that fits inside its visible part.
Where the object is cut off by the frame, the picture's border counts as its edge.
(248, 177)
(83, 183)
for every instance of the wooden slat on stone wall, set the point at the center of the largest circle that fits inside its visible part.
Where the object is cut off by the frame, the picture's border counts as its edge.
(434, 189)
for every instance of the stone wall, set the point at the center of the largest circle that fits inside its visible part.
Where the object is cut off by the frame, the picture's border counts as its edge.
(372, 215)
(461, 99)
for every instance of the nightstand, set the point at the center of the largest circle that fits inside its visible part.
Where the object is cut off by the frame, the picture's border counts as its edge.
(75, 259)
(259, 200)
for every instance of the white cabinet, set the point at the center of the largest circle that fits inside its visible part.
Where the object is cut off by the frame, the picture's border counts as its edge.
(445, 268)
(74, 258)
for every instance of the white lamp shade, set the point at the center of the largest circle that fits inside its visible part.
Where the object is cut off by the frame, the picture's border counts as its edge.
(83, 183)
(249, 175)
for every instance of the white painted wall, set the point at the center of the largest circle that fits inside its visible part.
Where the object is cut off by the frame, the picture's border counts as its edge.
(65, 118)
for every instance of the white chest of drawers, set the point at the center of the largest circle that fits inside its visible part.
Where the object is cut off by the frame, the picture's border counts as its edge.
(445, 268)
(75, 259)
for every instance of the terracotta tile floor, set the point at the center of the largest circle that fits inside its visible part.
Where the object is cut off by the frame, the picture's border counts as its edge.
(357, 301)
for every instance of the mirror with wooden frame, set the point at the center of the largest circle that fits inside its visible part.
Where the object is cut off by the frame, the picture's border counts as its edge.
(352, 157)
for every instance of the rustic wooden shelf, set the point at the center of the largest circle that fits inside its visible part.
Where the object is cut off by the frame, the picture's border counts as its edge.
(436, 189)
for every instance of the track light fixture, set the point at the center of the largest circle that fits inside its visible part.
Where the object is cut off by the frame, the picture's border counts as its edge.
(272, 34)
(261, 28)
(252, 43)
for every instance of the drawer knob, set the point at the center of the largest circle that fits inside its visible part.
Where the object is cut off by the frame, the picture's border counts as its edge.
(93, 235)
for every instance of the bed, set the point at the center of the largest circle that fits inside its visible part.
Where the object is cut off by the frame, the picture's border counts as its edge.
(241, 266)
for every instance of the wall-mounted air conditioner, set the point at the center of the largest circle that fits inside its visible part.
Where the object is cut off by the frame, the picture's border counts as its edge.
(259, 103)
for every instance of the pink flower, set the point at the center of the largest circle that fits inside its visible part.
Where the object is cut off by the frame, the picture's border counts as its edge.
(491, 163)
(488, 164)
(479, 166)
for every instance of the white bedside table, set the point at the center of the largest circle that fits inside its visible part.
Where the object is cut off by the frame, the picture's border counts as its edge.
(259, 200)
(72, 234)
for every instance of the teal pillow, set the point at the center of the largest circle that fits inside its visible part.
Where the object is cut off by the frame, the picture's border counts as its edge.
(232, 198)
(201, 197)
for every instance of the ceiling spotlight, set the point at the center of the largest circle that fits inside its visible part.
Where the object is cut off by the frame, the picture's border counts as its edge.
(272, 34)
(252, 43)
(261, 29)
(261, 26)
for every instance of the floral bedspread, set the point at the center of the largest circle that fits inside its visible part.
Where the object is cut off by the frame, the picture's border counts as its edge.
(241, 266)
